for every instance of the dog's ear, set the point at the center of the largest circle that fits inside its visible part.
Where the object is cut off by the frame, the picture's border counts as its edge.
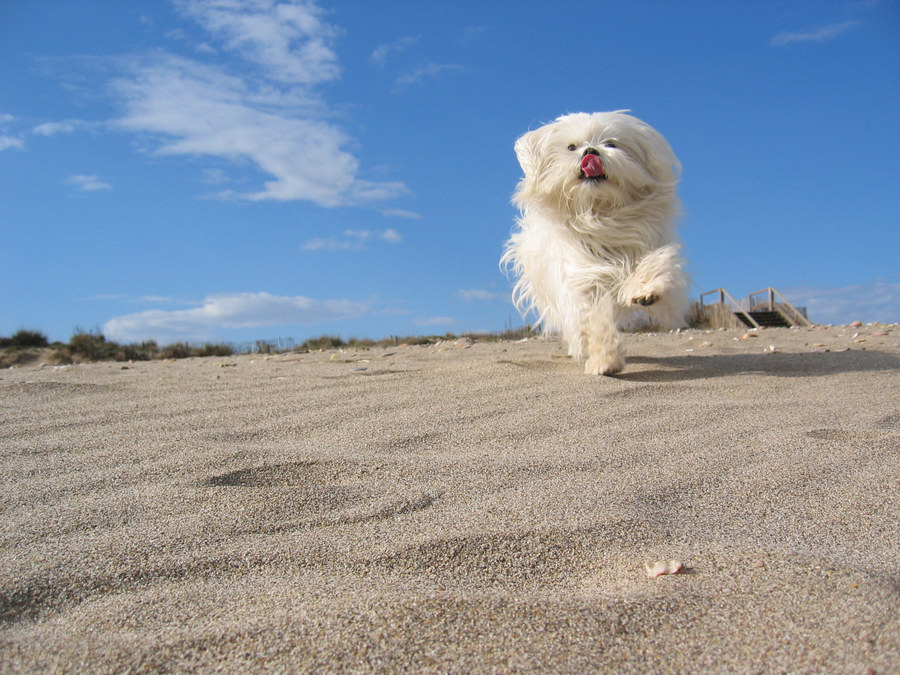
(657, 155)
(527, 149)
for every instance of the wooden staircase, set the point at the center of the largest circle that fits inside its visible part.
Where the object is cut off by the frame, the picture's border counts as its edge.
(763, 319)
(756, 312)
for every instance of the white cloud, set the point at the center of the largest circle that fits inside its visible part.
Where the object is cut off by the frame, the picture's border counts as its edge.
(286, 39)
(360, 235)
(7, 142)
(419, 75)
(272, 118)
(214, 177)
(391, 236)
(237, 310)
(142, 300)
(814, 34)
(472, 33)
(176, 34)
(381, 52)
(352, 240)
(53, 128)
(436, 321)
(319, 244)
(400, 213)
(88, 183)
(873, 301)
(481, 294)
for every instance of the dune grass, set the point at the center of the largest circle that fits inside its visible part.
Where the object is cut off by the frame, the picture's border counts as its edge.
(27, 345)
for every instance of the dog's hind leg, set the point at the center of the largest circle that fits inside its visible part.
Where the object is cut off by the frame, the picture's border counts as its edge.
(605, 354)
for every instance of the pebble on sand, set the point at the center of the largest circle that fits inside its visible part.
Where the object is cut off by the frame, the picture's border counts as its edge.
(660, 567)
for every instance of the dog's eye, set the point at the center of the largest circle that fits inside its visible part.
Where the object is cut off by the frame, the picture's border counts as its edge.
(572, 146)
(610, 144)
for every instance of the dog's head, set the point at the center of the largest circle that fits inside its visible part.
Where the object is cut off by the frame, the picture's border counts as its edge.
(594, 163)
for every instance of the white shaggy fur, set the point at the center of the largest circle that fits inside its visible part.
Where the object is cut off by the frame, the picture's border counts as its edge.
(594, 246)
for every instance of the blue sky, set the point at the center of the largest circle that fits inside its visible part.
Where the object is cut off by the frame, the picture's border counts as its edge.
(252, 169)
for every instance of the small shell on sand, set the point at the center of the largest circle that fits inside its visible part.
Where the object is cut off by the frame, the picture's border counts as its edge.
(660, 567)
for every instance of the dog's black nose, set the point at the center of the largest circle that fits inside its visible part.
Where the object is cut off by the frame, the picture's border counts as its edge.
(590, 151)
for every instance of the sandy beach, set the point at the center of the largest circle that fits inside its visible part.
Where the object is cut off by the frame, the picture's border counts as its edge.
(459, 507)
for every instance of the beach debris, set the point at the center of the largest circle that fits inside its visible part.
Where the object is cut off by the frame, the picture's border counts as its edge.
(747, 336)
(856, 324)
(660, 567)
(358, 370)
(771, 349)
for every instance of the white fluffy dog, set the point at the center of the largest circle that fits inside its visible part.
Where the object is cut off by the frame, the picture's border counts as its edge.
(595, 240)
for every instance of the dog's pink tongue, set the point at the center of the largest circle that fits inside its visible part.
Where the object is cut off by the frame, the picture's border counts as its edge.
(592, 166)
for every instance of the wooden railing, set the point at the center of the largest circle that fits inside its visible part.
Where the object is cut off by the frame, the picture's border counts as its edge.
(791, 313)
(736, 307)
(752, 304)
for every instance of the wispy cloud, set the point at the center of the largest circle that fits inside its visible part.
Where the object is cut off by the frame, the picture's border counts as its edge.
(423, 73)
(7, 142)
(88, 183)
(436, 321)
(473, 33)
(287, 40)
(391, 236)
(141, 300)
(817, 34)
(273, 117)
(381, 52)
(353, 240)
(481, 294)
(237, 310)
(54, 128)
(400, 213)
(875, 301)
(214, 177)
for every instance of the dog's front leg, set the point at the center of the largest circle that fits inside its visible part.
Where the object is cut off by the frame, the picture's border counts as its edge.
(605, 355)
(658, 274)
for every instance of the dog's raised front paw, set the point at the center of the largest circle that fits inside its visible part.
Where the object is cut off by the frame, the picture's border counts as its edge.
(645, 300)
